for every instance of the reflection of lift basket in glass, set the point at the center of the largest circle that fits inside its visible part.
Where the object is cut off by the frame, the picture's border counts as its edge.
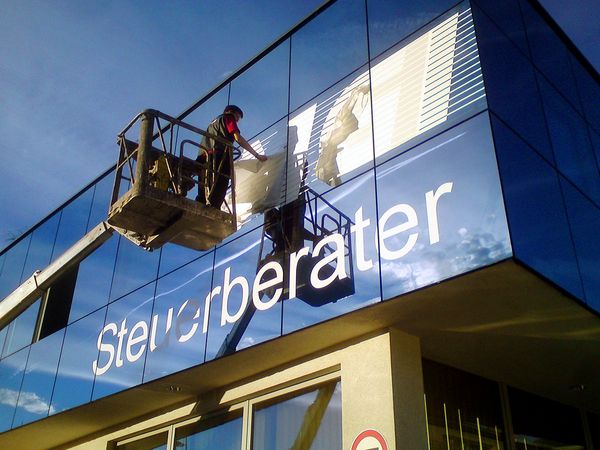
(289, 228)
(155, 209)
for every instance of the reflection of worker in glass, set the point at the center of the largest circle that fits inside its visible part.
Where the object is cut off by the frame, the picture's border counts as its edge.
(217, 156)
(345, 124)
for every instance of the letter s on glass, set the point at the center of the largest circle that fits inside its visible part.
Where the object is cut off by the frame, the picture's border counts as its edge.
(108, 348)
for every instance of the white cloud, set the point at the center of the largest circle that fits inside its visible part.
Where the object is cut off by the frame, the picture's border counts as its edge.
(29, 401)
(423, 267)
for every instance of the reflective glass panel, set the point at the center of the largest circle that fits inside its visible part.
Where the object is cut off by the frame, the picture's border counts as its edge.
(441, 211)
(332, 255)
(596, 143)
(389, 22)
(134, 268)
(594, 426)
(429, 81)
(175, 256)
(177, 339)
(3, 333)
(260, 186)
(330, 138)
(201, 117)
(155, 442)
(309, 421)
(507, 16)
(467, 94)
(12, 269)
(186, 142)
(589, 92)
(75, 376)
(73, 223)
(38, 382)
(102, 196)
(584, 219)
(539, 423)
(11, 376)
(541, 240)
(510, 84)
(242, 314)
(340, 35)
(20, 331)
(124, 343)
(220, 431)
(549, 54)
(94, 280)
(570, 141)
(262, 91)
(463, 410)
(40, 249)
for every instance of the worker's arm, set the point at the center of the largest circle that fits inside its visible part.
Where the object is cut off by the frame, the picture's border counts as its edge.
(246, 146)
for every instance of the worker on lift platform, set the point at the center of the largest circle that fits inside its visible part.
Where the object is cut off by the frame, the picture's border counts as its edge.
(216, 156)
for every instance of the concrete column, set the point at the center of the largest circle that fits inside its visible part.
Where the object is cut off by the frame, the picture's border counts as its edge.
(409, 404)
(382, 390)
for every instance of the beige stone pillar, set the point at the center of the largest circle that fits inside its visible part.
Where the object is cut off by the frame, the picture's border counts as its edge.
(382, 390)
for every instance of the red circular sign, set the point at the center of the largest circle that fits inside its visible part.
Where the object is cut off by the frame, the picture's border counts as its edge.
(369, 440)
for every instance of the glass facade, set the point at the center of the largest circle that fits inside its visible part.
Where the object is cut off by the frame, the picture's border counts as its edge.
(39, 247)
(545, 139)
(13, 264)
(156, 441)
(12, 369)
(340, 33)
(124, 342)
(222, 431)
(390, 22)
(594, 426)
(312, 421)
(177, 341)
(466, 411)
(74, 381)
(463, 410)
(38, 380)
(539, 423)
(374, 190)
(530, 183)
(453, 238)
(308, 419)
(73, 222)
(20, 331)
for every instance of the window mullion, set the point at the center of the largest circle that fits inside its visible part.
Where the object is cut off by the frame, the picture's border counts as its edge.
(171, 438)
(247, 426)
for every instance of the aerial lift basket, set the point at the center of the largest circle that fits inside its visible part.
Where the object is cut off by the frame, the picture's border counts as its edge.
(150, 204)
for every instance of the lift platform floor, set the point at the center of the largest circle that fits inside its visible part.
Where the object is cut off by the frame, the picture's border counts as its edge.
(151, 217)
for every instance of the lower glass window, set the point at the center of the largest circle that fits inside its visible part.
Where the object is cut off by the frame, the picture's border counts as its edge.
(311, 421)
(222, 431)
(154, 442)
(543, 424)
(594, 427)
(309, 418)
(463, 410)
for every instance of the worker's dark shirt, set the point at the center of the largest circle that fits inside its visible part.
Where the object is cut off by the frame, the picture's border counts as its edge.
(223, 126)
(214, 180)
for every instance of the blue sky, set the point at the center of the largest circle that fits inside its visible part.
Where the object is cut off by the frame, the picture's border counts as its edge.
(73, 73)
